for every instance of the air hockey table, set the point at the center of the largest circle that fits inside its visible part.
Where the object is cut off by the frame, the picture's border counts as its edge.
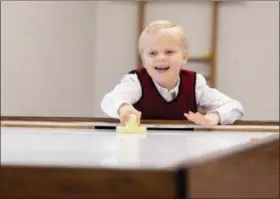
(49, 159)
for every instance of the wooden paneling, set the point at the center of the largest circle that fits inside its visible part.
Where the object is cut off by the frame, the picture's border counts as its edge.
(253, 173)
(47, 182)
(141, 22)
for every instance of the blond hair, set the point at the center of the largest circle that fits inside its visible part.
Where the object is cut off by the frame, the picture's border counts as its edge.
(159, 25)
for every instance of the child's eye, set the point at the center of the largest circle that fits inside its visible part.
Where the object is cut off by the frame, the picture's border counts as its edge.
(153, 53)
(169, 52)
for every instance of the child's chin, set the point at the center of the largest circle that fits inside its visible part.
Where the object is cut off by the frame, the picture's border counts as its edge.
(162, 72)
(161, 81)
(161, 76)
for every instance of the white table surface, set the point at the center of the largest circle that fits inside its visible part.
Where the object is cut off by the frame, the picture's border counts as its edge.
(103, 148)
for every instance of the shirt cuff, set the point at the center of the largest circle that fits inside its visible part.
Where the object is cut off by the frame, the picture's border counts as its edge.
(117, 106)
(225, 116)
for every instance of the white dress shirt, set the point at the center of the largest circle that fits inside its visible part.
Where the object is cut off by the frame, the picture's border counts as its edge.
(211, 100)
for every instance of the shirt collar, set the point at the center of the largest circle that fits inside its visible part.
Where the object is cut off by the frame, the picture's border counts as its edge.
(164, 90)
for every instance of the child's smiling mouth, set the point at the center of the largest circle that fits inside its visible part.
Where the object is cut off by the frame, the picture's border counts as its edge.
(161, 68)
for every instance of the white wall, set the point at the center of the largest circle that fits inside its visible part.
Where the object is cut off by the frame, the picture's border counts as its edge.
(47, 58)
(77, 42)
(115, 49)
(59, 58)
(248, 63)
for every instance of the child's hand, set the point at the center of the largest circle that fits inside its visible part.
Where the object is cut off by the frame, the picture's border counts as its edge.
(125, 111)
(207, 120)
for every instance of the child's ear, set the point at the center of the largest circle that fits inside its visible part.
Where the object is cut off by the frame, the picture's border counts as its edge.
(142, 60)
(143, 63)
(185, 57)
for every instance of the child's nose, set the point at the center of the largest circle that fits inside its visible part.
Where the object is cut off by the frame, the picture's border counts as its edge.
(161, 57)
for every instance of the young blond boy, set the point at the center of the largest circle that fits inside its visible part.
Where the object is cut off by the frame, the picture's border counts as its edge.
(162, 90)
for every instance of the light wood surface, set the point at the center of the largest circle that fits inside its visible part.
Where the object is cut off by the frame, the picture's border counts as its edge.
(150, 125)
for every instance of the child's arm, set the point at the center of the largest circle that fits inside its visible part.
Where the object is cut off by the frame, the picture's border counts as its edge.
(219, 107)
(128, 91)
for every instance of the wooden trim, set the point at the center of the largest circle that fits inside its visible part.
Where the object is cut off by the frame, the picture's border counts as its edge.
(214, 41)
(200, 59)
(90, 123)
(245, 129)
(55, 126)
(141, 23)
(64, 126)
(111, 120)
(57, 119)
(263, 123)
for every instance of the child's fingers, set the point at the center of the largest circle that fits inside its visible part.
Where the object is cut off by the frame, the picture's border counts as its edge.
(197, 118)
(190, 116)
(138, 115)
(187, 115)
(123, 120)
(125, 117)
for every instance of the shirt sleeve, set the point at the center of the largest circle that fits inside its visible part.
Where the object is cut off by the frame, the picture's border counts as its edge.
(127, 91)
(212, 100)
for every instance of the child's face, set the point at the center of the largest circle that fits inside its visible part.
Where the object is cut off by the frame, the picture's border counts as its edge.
(163, 56)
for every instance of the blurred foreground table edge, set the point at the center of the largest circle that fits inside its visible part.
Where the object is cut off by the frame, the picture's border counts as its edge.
(250, 172)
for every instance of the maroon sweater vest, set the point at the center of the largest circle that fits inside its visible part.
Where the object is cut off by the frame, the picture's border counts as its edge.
(154, 106)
